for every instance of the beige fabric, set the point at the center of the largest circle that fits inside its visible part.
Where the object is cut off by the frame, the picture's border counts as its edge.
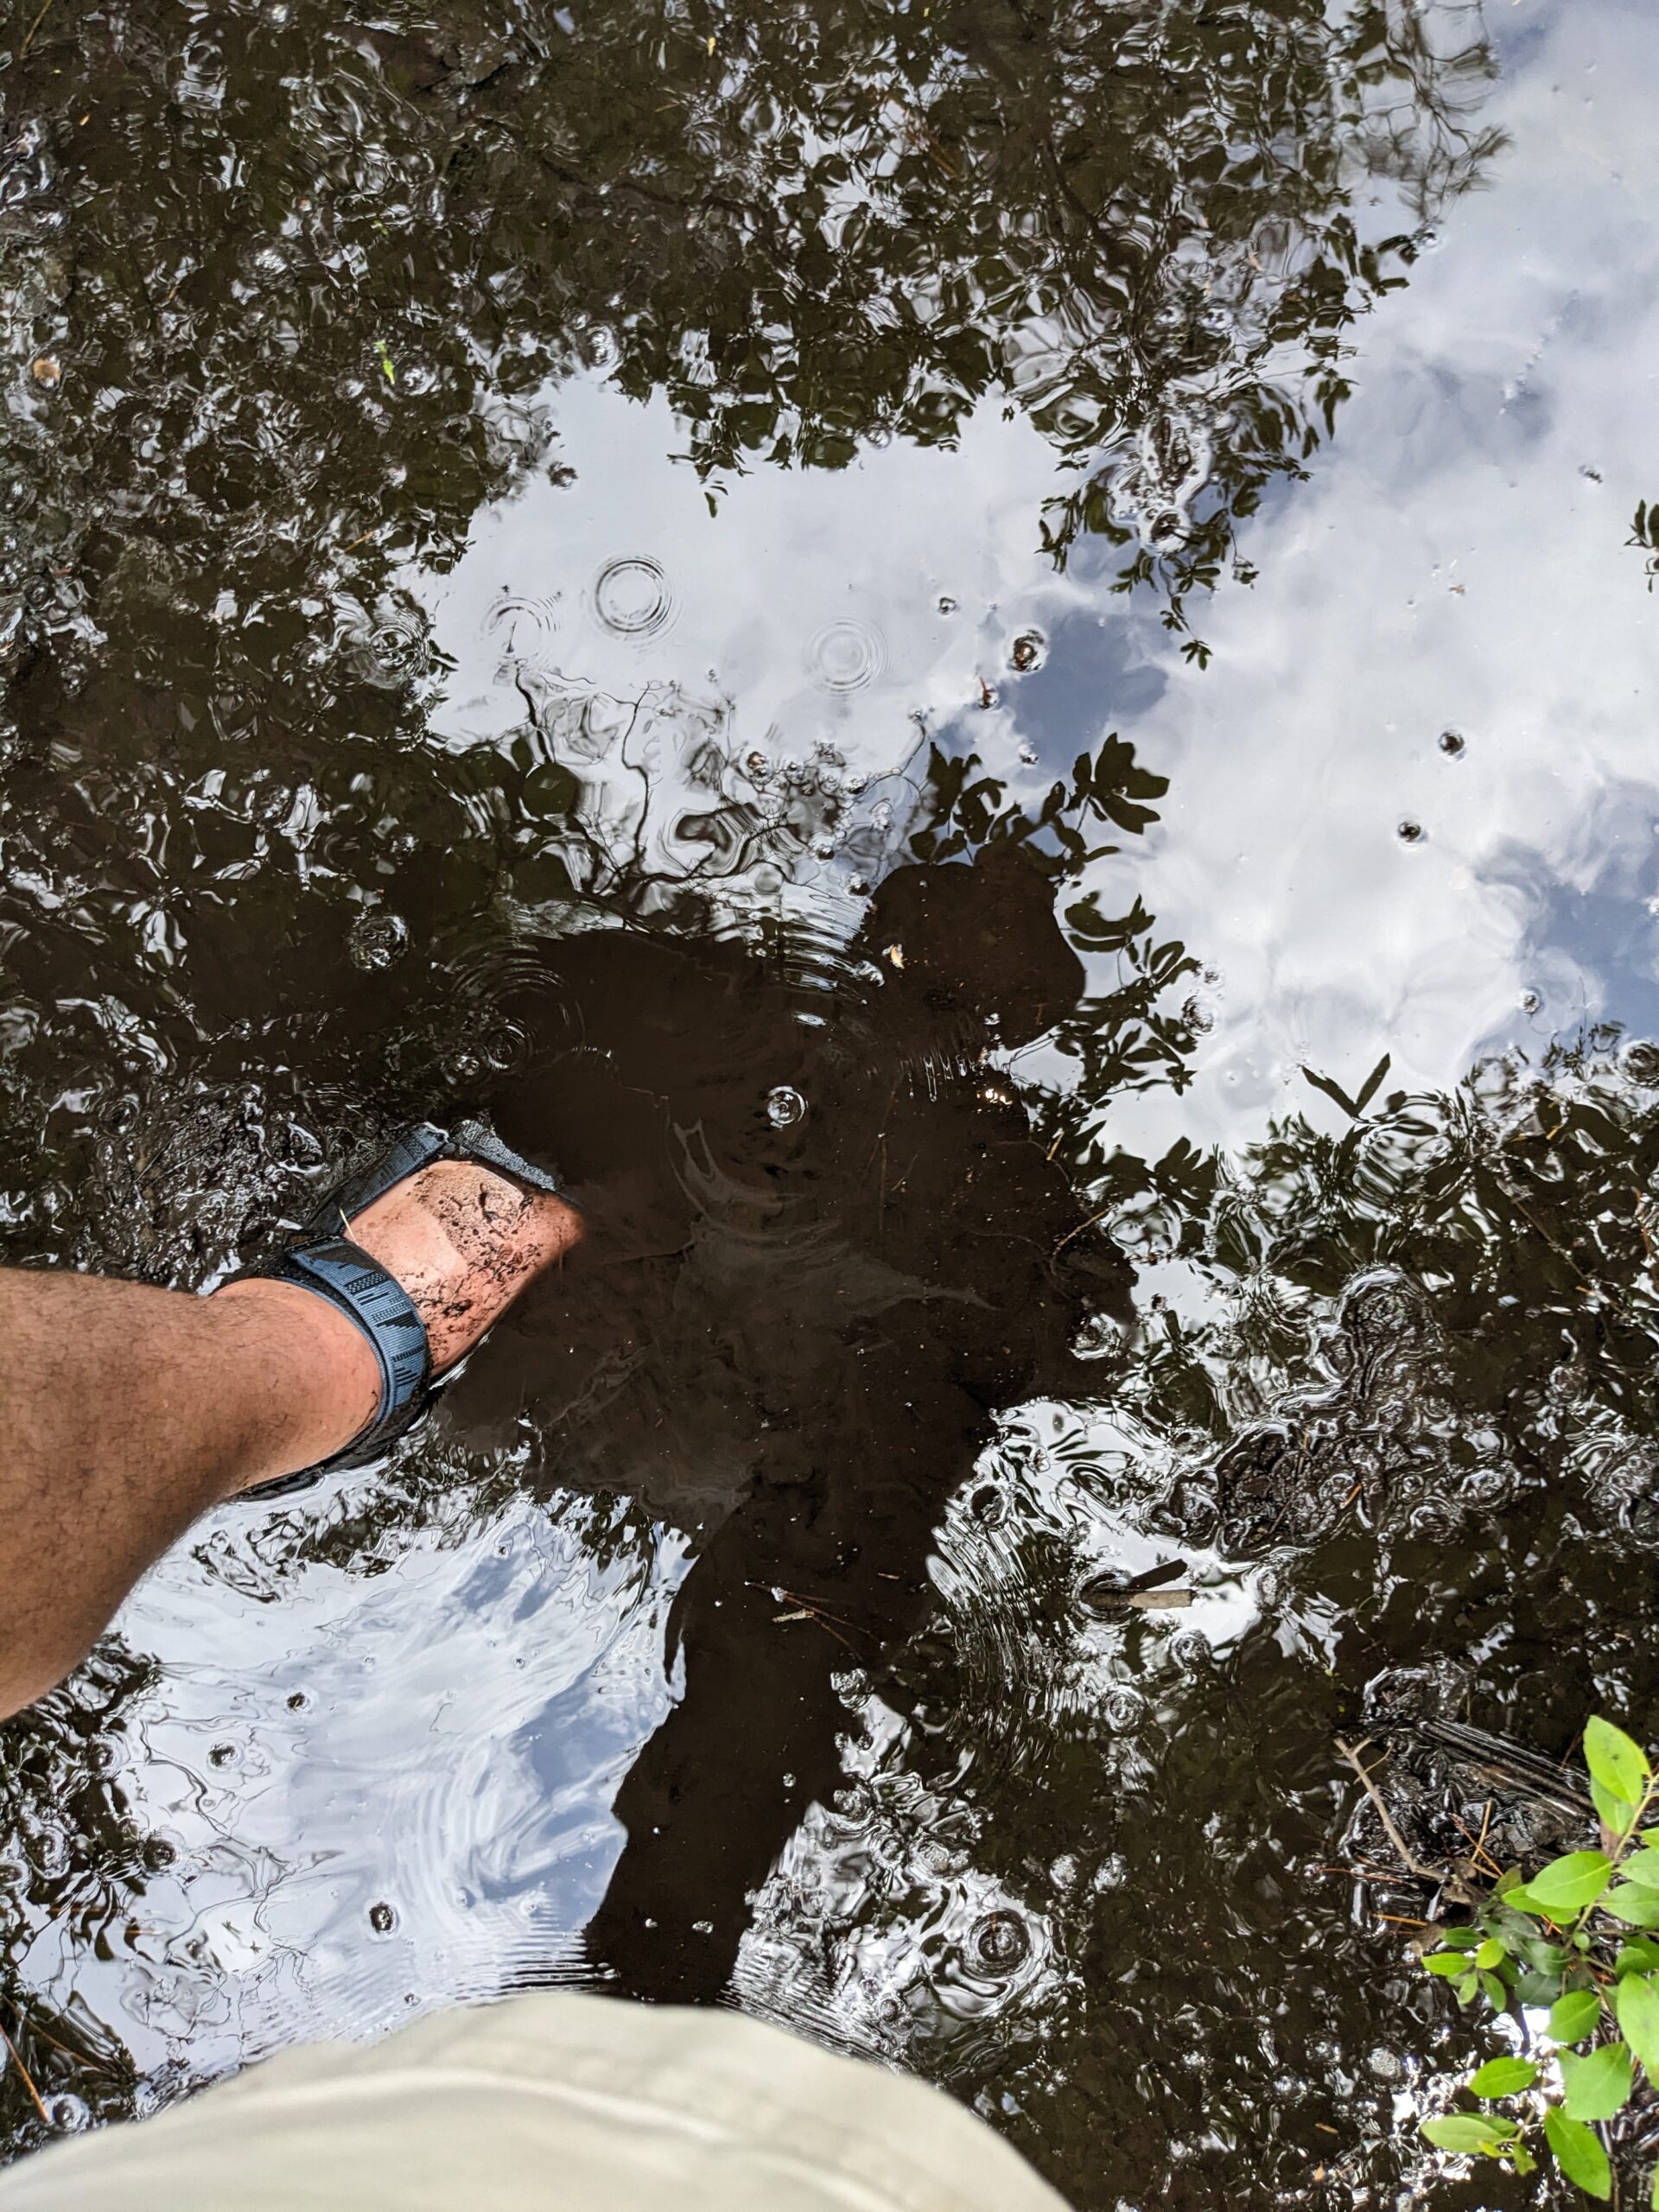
(573, 2103)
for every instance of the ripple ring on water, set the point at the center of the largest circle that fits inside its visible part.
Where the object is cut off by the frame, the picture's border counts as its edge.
(633, 597)
(846, 654)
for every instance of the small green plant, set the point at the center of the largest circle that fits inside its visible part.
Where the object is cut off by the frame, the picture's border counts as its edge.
(1568, 1938)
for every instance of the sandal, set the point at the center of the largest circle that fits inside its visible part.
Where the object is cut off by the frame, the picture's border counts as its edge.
(327, 1262)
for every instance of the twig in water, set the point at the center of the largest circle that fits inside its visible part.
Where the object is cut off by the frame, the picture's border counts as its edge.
(22, 2071)
(23, 51)
(1408, 1857)
(1480, 1851)
(1078, 1231)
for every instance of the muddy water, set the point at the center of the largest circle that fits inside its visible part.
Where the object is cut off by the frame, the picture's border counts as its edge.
(886, 634)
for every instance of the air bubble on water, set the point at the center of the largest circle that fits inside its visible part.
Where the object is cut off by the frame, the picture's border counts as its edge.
(988, 1505)
(1002, 1941)
(1451, 742)
(1410, 833)
(784, 1107)
(377, 939)
(858, 887)
(1028, 652)
(1094, 1338)
(383, 1917)
(823, 848)
(68, 2114)
(947, 605)
(224, 1755)
(1028, 755)
(1530, 1002)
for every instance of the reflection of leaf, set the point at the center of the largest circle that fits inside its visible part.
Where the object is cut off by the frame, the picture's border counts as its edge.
(1368, 1089)
(1333, 1090)
(1354, 1108)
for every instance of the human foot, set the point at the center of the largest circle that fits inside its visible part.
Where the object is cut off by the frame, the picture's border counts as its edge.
(462, 1241)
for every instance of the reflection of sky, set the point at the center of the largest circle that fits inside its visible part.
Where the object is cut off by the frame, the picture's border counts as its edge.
(1450, 563)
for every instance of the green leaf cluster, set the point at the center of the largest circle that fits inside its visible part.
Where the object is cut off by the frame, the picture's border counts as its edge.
(1560, 1938)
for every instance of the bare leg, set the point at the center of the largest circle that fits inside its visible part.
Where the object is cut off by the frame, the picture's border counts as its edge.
(125, 1411)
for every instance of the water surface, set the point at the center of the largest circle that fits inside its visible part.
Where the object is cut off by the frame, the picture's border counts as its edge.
(884, 631)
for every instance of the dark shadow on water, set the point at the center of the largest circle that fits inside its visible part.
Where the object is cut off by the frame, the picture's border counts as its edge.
(806, 1327)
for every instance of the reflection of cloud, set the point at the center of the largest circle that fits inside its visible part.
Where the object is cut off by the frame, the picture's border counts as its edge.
(1452, 563)
(823, 622)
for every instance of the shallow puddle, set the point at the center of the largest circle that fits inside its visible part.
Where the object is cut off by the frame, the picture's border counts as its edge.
(986, 666)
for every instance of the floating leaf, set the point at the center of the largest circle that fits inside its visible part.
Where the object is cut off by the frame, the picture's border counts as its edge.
(1617, 1762)
(1578, 2153)
(1570, 1884)
(1636, 2000)
(1503, 2077)
(1469, 2131)
(1596, 2086)
(1574, 2016)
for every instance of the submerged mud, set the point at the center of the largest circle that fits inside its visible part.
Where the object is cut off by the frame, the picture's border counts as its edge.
(657, 575)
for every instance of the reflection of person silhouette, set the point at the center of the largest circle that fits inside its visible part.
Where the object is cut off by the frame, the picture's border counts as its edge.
(813, 1327)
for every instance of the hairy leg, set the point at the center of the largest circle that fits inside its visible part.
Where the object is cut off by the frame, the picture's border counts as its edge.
(126, 1411)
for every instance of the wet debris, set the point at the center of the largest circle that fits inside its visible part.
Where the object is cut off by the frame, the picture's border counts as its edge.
(1111, 1594)
(1451, 1805)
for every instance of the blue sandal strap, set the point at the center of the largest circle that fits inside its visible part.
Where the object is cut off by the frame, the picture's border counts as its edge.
(418, 1148)
(329, 1264)
(366, 1293)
